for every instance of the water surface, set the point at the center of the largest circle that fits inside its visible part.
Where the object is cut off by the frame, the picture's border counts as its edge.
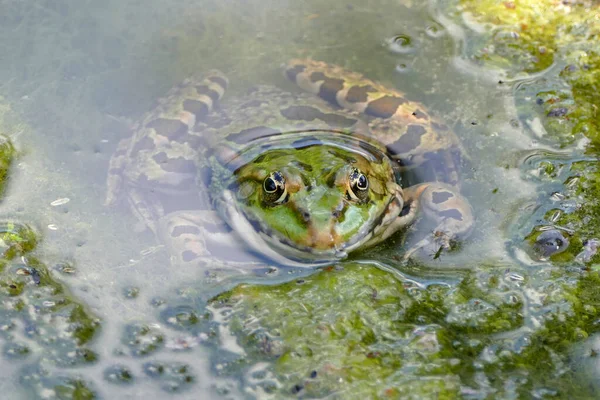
(78, 72)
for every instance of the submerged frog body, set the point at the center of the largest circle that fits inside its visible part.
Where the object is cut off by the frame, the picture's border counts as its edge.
(301, 179)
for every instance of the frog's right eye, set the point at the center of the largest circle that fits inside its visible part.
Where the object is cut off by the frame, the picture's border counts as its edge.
(358, 186)
(274, 190)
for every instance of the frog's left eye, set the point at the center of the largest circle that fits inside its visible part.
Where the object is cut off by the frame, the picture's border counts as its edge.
(358, 186)
(274, 190)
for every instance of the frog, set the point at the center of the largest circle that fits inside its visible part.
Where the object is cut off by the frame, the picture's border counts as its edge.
(302, 177)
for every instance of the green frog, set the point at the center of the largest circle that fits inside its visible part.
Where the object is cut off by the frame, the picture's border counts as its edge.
(302, 178)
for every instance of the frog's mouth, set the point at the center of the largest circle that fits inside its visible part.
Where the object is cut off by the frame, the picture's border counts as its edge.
(269, 243)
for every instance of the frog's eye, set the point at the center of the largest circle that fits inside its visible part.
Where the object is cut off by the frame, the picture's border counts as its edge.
(358, 186)
(274, 189)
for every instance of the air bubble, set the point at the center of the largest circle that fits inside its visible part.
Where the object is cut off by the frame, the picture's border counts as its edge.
(401, 44)
(402, 68)
(435, 31)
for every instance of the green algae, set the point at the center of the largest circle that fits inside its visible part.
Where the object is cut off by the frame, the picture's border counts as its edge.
(119, 375)
(529, 35)
(341, 325)
(173, 377)
(74, 389)
(559, 42)
(43, 383)
(545, 359)
(359, 331)
(575, 210)
(71, 321)
(583, 74)
(39, 309)
(583, 186)
(567, 103)
(558, 38)
(142, 340)
(9, 125)
(17, 239)
(7, 157)
(84, 326)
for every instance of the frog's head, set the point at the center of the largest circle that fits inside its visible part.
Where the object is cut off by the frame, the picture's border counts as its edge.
(315, 198)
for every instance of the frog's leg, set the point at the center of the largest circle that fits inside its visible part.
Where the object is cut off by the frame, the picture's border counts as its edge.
(114, 180)
(200, 238)
(442, 204)
(146, 209)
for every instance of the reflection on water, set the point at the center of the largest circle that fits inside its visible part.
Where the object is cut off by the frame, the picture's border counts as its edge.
(113, 317)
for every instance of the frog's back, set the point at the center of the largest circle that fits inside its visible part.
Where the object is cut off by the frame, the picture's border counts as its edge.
(161, 154)
(411, 135)
(266, 110)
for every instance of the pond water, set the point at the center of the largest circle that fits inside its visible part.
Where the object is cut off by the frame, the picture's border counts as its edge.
(111, 317)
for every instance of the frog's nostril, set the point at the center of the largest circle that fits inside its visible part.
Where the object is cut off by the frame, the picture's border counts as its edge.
(337, 211)
(305, 215)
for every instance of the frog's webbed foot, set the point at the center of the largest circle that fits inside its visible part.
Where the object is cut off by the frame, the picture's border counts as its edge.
(431, 246)
(447, 208)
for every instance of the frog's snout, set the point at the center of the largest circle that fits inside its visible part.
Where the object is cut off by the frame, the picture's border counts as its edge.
(321, 229)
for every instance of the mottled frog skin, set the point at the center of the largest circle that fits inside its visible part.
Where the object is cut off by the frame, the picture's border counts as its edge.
(299, 178)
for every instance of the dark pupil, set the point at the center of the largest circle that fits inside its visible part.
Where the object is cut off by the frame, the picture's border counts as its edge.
(270, 185)
(362, 182)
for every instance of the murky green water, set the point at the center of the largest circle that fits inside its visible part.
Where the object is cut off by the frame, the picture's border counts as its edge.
(105, 315)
